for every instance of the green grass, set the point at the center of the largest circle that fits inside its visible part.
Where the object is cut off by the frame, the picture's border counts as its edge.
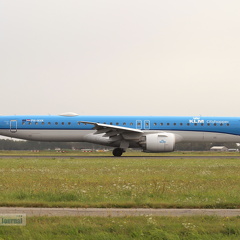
(120, 182)
(148, 227)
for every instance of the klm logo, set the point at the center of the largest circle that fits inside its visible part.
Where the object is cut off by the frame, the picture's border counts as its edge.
(196, 120)
(162, 141)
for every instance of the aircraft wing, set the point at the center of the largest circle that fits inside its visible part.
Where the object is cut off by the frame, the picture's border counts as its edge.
(116, 133)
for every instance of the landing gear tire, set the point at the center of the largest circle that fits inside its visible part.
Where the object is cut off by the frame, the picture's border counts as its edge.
(117, 152)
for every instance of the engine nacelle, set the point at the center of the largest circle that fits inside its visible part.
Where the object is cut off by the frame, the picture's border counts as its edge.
(160, 142)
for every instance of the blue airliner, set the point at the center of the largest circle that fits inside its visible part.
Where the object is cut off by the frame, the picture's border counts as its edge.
(152, 134)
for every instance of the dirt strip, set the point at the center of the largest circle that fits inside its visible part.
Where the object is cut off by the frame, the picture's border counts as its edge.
(118, 212)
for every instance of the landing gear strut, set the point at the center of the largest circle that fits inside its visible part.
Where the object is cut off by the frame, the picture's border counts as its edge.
(117, 152)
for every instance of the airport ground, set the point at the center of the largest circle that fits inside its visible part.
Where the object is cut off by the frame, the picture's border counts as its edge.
(177, 180)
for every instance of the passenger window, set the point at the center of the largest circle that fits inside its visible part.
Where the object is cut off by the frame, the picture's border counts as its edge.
(69, 123)
(195, 124)
(49, 123)
(56, 123)
(79, 123)
(131, 124)
(117, 123)
(181, 124)
(174, 124)
(124, 124)
(62, 123)
(36, 123)
(188, 124)
(208, 124)
(42, 123)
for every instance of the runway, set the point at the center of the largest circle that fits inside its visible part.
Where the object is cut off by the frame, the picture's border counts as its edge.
(122, 157)
(118, 212)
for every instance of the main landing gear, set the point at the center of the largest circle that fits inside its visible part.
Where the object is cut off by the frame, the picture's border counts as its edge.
(117, 152)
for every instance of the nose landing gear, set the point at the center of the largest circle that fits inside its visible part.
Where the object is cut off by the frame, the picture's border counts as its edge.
(117, 152)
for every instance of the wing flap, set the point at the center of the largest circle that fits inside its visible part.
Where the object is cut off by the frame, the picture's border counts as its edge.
(101, 126)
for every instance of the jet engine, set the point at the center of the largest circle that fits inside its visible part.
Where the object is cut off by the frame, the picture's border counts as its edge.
(159, 142)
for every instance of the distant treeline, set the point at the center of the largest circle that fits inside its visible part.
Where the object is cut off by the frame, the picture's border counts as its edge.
(7, 144)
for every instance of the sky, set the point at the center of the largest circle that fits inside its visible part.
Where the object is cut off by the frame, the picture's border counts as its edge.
(128, 57)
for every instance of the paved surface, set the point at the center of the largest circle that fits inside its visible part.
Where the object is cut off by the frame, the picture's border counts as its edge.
(109, 157)
(118, 212)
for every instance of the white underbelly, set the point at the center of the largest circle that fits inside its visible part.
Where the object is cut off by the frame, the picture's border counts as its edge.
(192, 136)
(48, 135)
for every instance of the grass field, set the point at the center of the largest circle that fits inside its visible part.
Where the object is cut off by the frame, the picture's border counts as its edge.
(148, 227)
(120, 182)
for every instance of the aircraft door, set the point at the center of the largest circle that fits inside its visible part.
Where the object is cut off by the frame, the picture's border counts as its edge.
(13, 126)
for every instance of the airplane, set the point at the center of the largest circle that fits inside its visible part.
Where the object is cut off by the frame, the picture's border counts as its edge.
(151, 134)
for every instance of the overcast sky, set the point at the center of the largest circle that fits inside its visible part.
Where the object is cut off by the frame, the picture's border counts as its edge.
(128, 57)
